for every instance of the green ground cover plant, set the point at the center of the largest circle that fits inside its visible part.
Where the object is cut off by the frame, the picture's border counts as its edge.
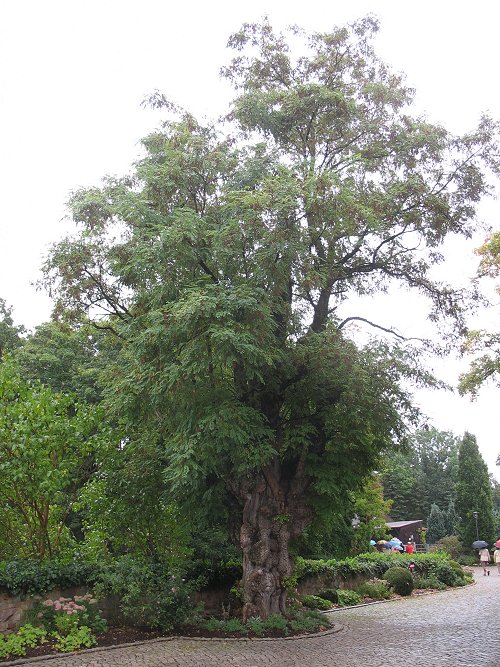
(15, 644)
(347, 598)
(294, 623)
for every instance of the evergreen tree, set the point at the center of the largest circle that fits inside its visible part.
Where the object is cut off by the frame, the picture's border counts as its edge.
(425, 474)
(436, 524)
(474, 493)
(452, 519)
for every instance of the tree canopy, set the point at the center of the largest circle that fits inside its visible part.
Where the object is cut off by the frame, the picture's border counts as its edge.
(221, 263)
(485, 367)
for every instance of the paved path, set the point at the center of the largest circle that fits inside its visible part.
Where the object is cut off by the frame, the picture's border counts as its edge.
(456, 628)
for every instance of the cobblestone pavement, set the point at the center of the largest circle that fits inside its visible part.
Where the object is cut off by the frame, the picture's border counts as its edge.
(456, 628)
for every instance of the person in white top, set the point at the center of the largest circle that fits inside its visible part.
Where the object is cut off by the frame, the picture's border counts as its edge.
(484, 559)
(496, 558)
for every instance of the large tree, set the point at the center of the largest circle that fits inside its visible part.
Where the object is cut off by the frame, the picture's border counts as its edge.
(474, 494)
(222, 262)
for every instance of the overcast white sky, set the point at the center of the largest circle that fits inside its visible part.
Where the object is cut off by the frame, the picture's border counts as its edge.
(73, 73)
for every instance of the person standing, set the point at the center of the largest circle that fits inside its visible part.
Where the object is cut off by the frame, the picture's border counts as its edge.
(409, 548)
(496, 558)
(484, 559)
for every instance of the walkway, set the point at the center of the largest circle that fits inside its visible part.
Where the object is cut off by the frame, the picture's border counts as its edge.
(456, 628)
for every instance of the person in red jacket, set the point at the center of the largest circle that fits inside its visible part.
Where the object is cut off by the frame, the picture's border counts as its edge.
(409, 548)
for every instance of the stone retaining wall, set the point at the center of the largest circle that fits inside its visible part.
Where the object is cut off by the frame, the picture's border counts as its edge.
(13, 608)
(215, 601)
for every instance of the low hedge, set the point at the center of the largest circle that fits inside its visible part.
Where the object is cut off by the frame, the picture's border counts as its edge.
(369, 565)
(31, 577)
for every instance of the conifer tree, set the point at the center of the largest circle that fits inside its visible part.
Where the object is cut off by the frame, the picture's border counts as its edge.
(473, 493)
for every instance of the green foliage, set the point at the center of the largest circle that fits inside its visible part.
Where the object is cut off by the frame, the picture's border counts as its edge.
(347, 598)
(450, 573)
(230, 625)
(450, 544)
(295, 622)
(125, 509)
(31, 577)
(375, 589)
(66, 359)
(424, 474)
(436, 524)
(428, 583)
(371, 509)
(65, 615)
(487, 366)
(316, 602)
(74, 640)
(15, 644)
(47, 442)
(150, 595)
(329, 594)
(467, 560)
(400, 580)
(10, 334)
(474, 494)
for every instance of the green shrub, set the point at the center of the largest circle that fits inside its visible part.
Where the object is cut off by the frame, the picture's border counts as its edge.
(466, 560)
(308, 621)
(31, 577)
(451, 544)
(256, 625)
(400, 580)
(429, 582)
(277, 622)
(150, 596)
(347, 598)
(449, 573)
(328, 594)
(376, 590)
(316, 602)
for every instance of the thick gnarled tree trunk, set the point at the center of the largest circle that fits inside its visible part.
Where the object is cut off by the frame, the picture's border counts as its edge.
(273, 513)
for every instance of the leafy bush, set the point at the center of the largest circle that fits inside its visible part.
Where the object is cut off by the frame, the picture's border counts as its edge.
(149, 595)
(400, 580)
(348, 598)
(328, 594)
(466, 560)
(375, 589)
(316, 602)
(449, 573)
(428, 582)
(451, 544)
(308, 621)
